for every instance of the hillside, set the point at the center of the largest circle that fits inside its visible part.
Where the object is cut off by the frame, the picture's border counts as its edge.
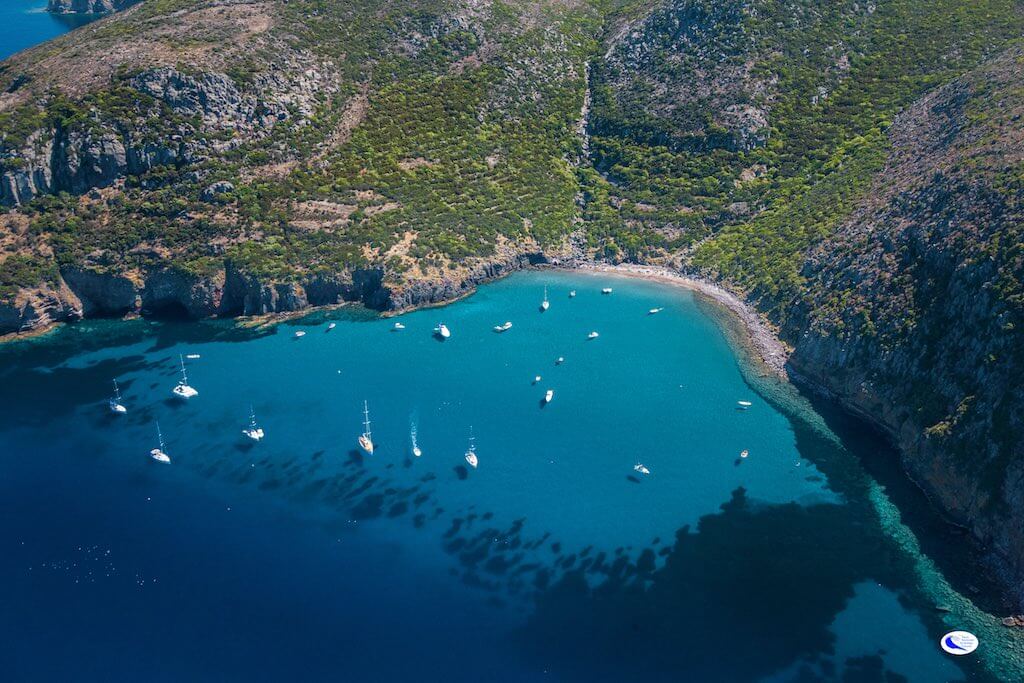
(243, 157)
(914, 308)
(852, 169)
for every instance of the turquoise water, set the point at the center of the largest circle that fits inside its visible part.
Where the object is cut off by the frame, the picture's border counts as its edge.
(24, 23)
(554, 560)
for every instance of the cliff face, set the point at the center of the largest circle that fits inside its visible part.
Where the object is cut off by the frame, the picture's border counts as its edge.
(914, 308)
(88, 6)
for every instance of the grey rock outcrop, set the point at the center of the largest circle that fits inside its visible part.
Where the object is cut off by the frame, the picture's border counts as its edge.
(88, 6)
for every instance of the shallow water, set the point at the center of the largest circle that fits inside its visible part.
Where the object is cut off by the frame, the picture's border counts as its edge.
(24, 23)
(554, 560)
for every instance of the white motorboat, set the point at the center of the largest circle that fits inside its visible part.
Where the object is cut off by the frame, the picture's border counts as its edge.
(572, 294)
(548, 395)
(192, 356)
(536, 379)
(442, 331)
(182, 389)
(398, 326)
(254, 432)
(115, 404)
(593, 335)
(606, 290)
(744, 404)
(655, 310)
(559, 361)
(744, 453)
(415, 446)
(503, 328)
(471, 451)
(641, 468)
(331, 326)
(545, 304)
(299, 334)
(366, 439)
(159, 454)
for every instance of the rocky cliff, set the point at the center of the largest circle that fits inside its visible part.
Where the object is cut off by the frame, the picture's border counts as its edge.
(914, 308)
(88, 6)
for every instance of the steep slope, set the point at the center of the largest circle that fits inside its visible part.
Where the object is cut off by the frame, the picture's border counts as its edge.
(240, 157)
(914, 308)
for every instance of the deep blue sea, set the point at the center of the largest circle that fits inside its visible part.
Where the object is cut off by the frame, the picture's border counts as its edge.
(299, 558)
(24, 23)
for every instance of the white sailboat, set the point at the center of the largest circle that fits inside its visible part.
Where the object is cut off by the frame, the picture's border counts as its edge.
(366, 439)
(415, 446)
(545, 304)
(641, 468)
(158, 454)
(254, 431)
(548, 395)
(442, 331)
(115, 404)
(183, 390)
(471, 452)
(503, 328)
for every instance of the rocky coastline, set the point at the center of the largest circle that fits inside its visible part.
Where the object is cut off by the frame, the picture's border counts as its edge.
(88, 6)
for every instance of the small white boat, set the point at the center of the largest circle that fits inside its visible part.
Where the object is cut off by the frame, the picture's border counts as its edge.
(536, 379)
(331, 326)
(254, 431)
(550, 394)
(192, 356)
(115, 404)
(300, 334)
(158, 454)
(545, 304)
(559, 361)
(183, 390)
(503, 328)
(641, 468)
(366, 439)
(593, 335)
(572, 294)
(442, 331)
(744, 453)
(471, 452)
(655, 310)
(744, 404)
(398, 326)
(606, 290)
(415, 446)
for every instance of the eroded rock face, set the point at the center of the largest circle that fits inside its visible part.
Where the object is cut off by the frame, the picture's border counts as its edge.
(914, 316)
(88, 6)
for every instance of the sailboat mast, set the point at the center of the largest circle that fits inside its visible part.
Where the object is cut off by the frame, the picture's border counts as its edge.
(184, 377)
(366, 419)
(159, 436)
(117, 392)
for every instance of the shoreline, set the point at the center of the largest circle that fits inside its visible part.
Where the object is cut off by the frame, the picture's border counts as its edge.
(758, 335)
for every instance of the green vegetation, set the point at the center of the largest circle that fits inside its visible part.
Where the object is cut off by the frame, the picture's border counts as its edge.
(830, 76)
